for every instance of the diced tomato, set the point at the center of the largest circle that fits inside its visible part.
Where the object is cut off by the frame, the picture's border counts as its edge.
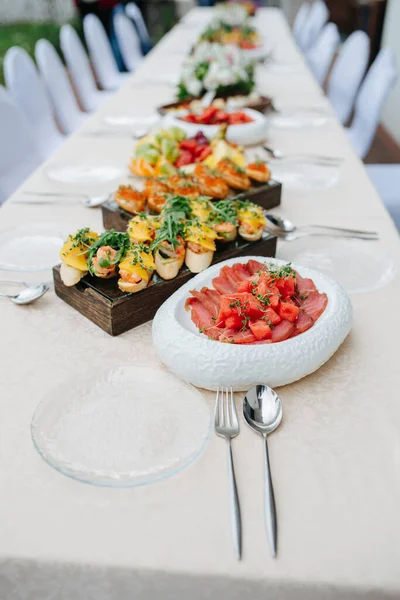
(243, 304)
(244, 286)
(208, 114)
(190, 145)
(234, 322)
(186, 158)
(206, 152)
(288, 311)
(271, 316)
(261, 330)
(286, 286)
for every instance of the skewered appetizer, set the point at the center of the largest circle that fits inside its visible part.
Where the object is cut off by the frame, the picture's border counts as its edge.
(200, 239)
(74, 256)
(251, 220)
(130, 199)
(136, 269)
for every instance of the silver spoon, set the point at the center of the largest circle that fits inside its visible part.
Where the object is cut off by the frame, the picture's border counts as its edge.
(279, 155)
(281, 225)
(27, 295)
(262, 410)
(48, 198)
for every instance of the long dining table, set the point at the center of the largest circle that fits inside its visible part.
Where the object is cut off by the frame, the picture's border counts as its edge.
(335, 458)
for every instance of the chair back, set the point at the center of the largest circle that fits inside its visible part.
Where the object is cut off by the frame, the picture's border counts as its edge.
(101, 54)
(320, 56)
(128, 41)
(300, 21)
(371, 98)
(79, 68)
(347, 74)
(19, 154)
(58, 86)
(317, 17)
(133, 12)
(21, 75)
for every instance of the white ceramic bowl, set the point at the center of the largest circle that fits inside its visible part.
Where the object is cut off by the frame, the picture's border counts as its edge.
(246, 134)
(208, 364)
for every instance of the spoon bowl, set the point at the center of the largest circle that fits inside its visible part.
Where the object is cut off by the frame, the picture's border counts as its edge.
(26, 295)
(284, 228)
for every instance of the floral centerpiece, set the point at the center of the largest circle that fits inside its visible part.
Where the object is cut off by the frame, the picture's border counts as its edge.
(224, 69)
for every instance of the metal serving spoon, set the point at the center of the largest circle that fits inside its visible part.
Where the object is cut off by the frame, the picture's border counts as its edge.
(48, 198)
(281, 225)
(279, 155)
(27, 295)
(262, 410)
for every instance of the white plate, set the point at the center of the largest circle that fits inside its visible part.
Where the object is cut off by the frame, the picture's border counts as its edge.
(124, 426)
(84, 174)
(246, 133)
(209, 364)
(299, 118)
(358, 265)
(131, 121)
(304, 175)
(31, 247)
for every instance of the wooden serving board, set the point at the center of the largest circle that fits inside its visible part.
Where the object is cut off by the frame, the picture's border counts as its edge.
(103, 303)
(267, 195)
(265, 105)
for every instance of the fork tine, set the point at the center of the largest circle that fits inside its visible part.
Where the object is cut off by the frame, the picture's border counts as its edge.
(235, 421)
(227, 419)
(217, 410)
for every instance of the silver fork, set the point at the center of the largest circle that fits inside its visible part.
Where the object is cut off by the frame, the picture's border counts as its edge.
(227, 426)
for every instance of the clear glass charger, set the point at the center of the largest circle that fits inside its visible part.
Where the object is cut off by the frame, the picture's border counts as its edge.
(304, 174)
(358, 265)
(30, 248)
(122, 427)
(84, 174)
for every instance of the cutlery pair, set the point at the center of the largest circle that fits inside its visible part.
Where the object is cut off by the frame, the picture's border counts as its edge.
(262, 410)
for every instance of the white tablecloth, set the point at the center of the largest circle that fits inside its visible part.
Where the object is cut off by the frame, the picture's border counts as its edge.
(336, 457)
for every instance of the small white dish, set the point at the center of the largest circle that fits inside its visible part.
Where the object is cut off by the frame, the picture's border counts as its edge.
(246, 134)
(305, 174)
(121, 426)
(84, 174)
(31, 248)
(209, 364)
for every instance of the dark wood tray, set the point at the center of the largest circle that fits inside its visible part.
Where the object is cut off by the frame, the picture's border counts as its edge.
(267, 195)
(103, 303)
(264, 105)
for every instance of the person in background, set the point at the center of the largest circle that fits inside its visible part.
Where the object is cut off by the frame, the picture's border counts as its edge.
(102, 8)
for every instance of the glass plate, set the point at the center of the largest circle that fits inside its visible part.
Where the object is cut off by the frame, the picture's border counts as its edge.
(358, 265)
(84, 174)
(125, 426)
(31, 247)
(300, 118)
(304, 174)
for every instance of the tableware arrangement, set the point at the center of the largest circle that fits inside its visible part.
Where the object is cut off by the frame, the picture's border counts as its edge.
(84, 174)
(262, 410)
(122, 426)
(282, 225)
(320, 158)
(303, 174)
(226, 425)
(242, 361)
(27, 295)
(87, 200)
(30, 248)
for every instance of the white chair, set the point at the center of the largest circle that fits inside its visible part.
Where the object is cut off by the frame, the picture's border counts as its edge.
(386, 179)
(128, 41)
(80, 70)
(19, 154)
(320, 56)
(28, 92)
(347, 74)
(58, 86)
(371, 98)
(133, 12)
(101, 54)
(317, 17)
(300, 21)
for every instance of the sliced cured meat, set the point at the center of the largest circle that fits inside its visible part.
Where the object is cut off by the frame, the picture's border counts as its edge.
(315, 304)
(304, 286)
(223, 286)
(304, 322)
(231, 276)
(206, 301)
(282, 331)
(233, 336)
(254, 266)
(241, 271)
(202, 318)
(214, 296)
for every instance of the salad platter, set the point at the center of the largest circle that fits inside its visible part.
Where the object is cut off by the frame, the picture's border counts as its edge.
(118, 280)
